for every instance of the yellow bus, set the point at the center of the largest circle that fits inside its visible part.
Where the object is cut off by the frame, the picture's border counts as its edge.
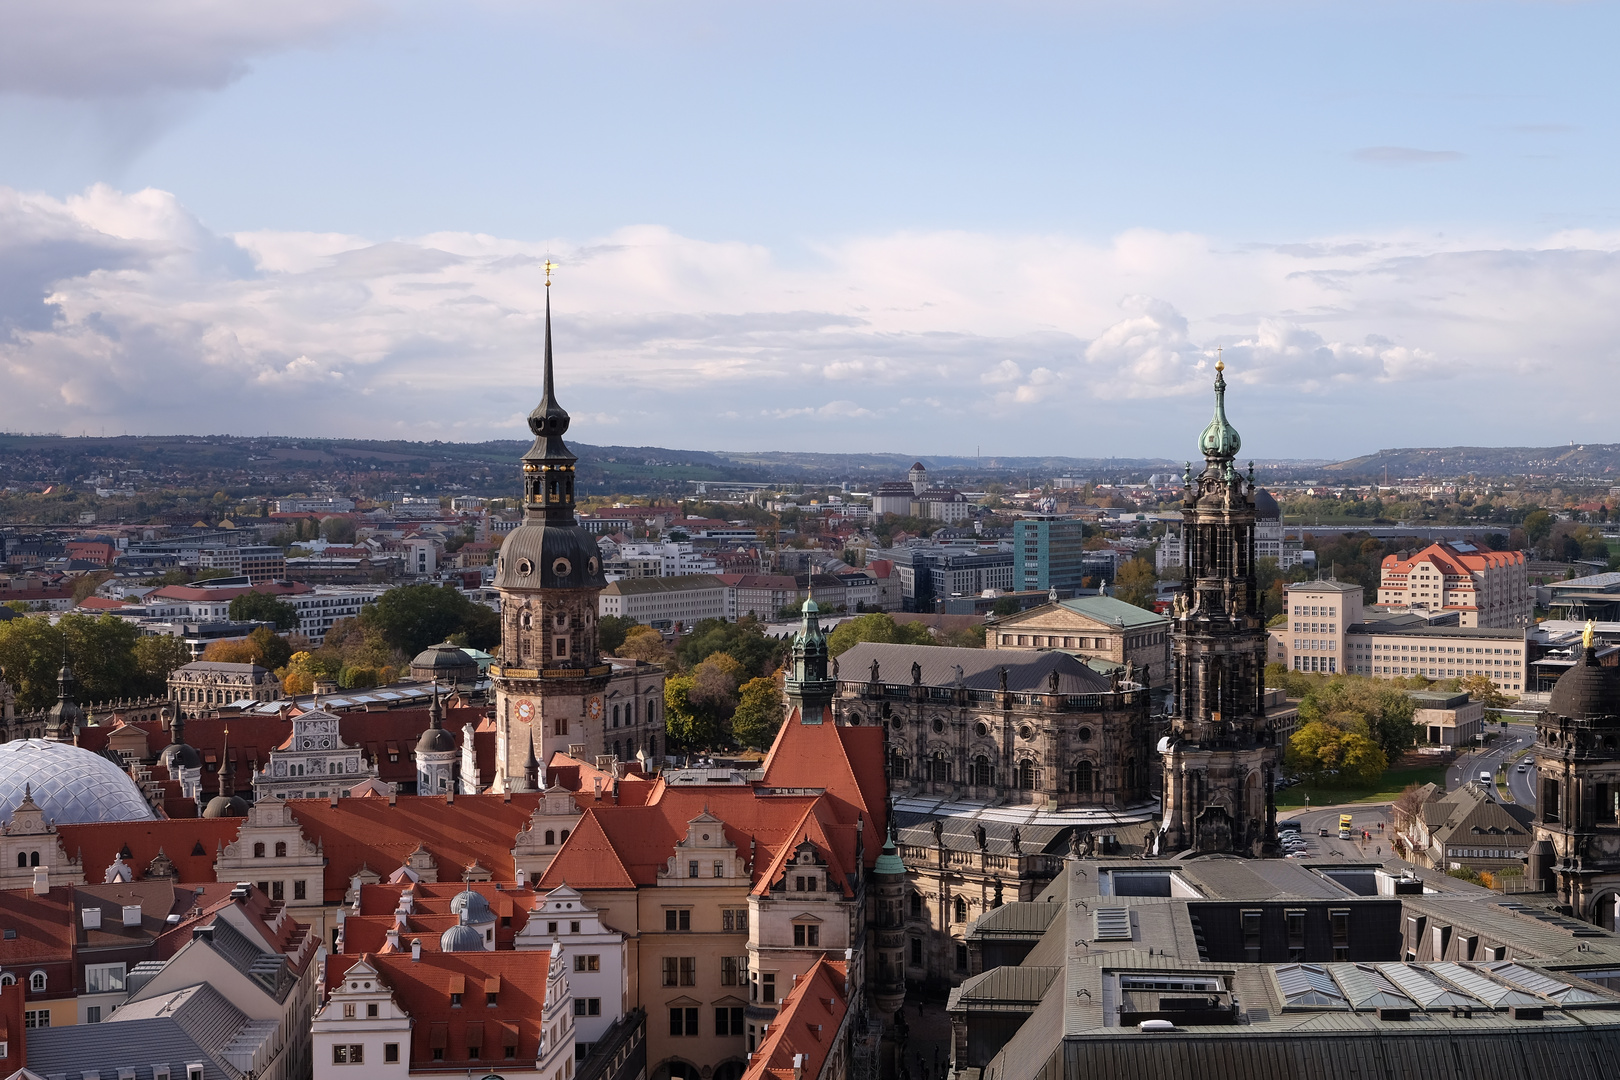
(1344, 826)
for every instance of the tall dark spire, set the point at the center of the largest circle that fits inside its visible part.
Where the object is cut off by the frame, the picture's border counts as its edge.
(548, 467)
(808, 685)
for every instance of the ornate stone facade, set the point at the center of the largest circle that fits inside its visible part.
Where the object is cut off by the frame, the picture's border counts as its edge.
(1222, 752)
(1005, 726)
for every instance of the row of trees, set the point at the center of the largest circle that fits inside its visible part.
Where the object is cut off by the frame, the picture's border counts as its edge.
(110, 659)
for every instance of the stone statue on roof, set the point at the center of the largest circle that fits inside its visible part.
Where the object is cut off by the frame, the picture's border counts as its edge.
(1053, 679)
(874, 670)
(916, 673)
(1001, 677)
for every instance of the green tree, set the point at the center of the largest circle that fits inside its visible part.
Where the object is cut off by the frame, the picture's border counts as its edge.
(337, 530)
(102, 651)
(1006, 605)
(1333, 756)
(1484, 691)
(744, 640)
(684, 725)
(31, 653)
(879, 626)
(714, 691)
(645, 643)
(1370, 707)
(611, 631)
(412, 617)
(759, 713)
(1538, 525)
(157, 655)
(85, 585)
(969, 637)
(262, 607)
(1138, 583)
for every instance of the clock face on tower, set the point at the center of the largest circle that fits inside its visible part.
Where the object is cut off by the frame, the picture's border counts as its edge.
(593, 708)
(525, 711)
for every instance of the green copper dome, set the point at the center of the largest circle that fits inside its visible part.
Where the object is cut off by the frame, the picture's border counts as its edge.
(1220, 439)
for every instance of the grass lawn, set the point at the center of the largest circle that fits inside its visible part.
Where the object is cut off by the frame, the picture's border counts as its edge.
(1388, 788)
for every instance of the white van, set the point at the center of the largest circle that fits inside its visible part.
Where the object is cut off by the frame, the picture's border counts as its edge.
(1485, 778)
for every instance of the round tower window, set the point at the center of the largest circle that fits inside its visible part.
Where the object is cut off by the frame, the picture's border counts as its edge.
(1085, 734)
(593, 564)
(1025, 732)
(939, 725)
(981, 728)
(525, 567)
(561, 567)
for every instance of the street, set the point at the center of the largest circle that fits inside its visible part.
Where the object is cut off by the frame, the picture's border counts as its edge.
(1511, 747)
(1367, 817)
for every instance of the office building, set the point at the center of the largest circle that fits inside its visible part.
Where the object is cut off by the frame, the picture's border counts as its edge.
(1048, 553)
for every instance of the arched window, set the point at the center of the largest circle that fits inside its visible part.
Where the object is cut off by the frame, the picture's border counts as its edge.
(652, 746)
(916, 904)
(258, 851)
(984, 775)
(564, 836)
(22, 860)
(615, 716)
(961, 910)
(36, 982)
(939, 767)
(551, 836)
(8, 979)
(618, 749)
(897, 765)
(1082, 778)
(33, 858)
(281, 849)
(629, 748)
(1026, 776)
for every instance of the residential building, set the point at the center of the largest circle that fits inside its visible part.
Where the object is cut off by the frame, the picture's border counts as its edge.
(665, 603)
(1095, 627)
(1048, 553)
(758, 595)
(1222, 753)
(1468, 829)
(1484, 588)
(203, 686)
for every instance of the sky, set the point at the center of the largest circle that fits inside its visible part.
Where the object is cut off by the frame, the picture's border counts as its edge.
(925, 228)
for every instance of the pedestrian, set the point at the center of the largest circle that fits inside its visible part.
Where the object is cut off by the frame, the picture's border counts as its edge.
(1378, 851)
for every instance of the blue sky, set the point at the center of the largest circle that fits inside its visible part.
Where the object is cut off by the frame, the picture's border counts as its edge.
(907, 227)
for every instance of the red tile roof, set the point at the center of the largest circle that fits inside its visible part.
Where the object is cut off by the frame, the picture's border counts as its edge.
(371, 833)
(190, 843)
(807, 1024)
(43, 925)
(430, 915)
(846, 761)
(423, 988)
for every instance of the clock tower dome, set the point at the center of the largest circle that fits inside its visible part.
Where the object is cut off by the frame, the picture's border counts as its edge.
(549, 679)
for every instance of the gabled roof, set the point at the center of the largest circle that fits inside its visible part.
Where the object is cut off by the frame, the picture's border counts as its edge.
(194, 1024)
(422, 988)
(845, 761)
(807, 1025)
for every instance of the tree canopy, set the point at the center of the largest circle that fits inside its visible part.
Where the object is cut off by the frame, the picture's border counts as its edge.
(100, 650)
(1138, 583)
(1334, 756)
(744, 640)
(880, 627)
(261, 607)
(759, 713)
(412, 617)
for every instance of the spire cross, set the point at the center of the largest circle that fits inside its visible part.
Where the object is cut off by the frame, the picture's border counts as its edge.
(1220, 365)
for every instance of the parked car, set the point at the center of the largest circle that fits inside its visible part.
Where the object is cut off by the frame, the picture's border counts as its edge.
(1321, 832)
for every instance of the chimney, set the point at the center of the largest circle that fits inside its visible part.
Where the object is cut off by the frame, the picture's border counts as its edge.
(333, 803)
(132, 914)
(42, 880)
(416, 950)
(522, 878)
(798, 1067)
(92, 918)
(393, 796)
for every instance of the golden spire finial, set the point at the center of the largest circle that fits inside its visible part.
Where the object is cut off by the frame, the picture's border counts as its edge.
(1220, 365)
(550, 266)
(1588, 634)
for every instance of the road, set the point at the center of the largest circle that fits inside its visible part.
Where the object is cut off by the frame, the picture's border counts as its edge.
(1511, 747)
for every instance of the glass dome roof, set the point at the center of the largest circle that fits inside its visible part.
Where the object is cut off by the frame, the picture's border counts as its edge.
(71, 784)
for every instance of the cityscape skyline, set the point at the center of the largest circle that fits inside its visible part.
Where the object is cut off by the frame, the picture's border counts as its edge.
(784, 232)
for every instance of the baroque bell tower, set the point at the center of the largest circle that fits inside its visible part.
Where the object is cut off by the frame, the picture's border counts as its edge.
(549, 678)
(1220, 758)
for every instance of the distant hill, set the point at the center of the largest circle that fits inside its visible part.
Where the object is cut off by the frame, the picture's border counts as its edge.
(1589, 460)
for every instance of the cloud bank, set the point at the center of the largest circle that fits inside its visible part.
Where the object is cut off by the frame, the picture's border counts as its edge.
(120, 310)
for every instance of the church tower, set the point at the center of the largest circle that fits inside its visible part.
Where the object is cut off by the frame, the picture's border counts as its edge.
(1221, 755)
(549, 677)
(808, 687)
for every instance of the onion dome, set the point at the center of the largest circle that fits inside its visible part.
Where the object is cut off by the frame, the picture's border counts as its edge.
(179, 754)
(1220, 439)
(888, 861)
(1587, 691)
(66, 717)
(472, 907)
(227, 803)
(435, 740)
(462, 937)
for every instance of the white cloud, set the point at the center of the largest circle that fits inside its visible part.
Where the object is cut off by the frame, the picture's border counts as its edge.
(105, 48)
(121, 309)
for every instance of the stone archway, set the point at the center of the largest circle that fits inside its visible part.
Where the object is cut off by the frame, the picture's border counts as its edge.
(1602, 910)
(676, 1069)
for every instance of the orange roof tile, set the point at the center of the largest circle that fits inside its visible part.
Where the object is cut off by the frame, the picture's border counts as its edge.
(190, 843)
(423, 987)
(807, 1024)
(846, 761)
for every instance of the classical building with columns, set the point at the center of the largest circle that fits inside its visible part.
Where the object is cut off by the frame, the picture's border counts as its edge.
(552, 689)
(1222, 752)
